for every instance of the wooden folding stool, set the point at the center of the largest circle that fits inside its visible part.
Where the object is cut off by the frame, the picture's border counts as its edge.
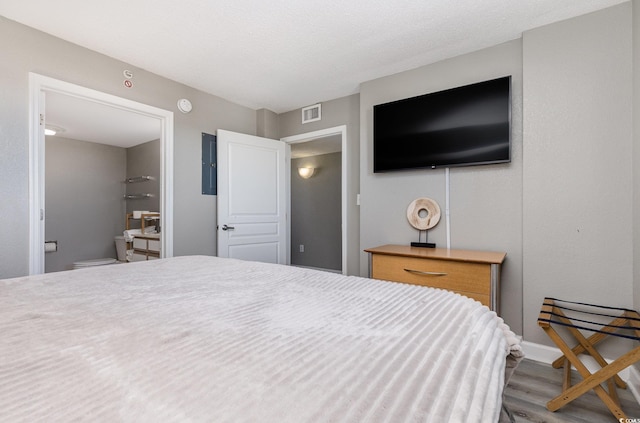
(626, 325)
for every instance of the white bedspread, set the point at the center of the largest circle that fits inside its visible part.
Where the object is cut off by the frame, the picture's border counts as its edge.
(203, 339)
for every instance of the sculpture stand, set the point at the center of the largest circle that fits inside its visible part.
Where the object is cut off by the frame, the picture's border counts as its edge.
(423, 244)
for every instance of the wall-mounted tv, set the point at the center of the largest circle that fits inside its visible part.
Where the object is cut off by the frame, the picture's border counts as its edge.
(463, 126)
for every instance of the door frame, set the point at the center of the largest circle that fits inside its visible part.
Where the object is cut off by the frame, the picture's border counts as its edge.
(309, 136)
(39, 85)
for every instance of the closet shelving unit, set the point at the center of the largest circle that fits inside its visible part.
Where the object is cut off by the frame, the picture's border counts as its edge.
(134, 180)
(147, 245)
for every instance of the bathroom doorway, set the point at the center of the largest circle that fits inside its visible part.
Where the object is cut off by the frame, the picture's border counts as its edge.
(101, 106)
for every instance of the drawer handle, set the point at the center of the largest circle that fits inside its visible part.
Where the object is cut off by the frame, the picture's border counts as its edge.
(420, 272)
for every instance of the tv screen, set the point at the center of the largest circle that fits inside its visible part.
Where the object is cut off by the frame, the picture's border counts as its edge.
(463, 126)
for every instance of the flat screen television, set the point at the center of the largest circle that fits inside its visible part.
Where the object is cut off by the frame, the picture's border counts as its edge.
(463, 126)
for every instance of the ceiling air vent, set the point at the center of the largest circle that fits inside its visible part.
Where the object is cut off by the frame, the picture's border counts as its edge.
(312, 113)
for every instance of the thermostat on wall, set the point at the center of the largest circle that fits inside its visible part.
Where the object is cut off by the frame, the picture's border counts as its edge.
(184, 105)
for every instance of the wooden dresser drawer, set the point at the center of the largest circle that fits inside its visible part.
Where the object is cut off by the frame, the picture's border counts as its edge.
(475, 274)
(452, 275)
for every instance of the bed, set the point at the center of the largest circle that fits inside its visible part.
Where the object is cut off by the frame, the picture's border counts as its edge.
(206, 339)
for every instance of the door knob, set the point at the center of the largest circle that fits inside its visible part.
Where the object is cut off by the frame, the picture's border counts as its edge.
(227, 228)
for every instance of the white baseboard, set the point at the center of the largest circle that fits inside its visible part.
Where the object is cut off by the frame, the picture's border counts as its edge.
(539, 352)
(546, 354)
(317, 268)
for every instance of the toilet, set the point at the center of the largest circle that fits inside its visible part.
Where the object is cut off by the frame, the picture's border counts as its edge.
(82, 264)
(121, 249)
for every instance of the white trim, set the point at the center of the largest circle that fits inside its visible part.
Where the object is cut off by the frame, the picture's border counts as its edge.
(308, 136)
(546, 354)
(318, 268)
(539, 352)
(38, 86)
(36, 178)
(287, 182)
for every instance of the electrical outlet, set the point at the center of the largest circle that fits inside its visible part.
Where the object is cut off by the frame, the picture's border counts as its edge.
(302, 248)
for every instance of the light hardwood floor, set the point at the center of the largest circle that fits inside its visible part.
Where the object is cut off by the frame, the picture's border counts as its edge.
(533, 384)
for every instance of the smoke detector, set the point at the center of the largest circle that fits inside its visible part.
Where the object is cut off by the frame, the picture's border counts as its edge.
(184, 105)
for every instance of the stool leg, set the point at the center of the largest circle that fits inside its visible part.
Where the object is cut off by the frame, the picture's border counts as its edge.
(588, 344)
(613, 392)
(566, 382)
(590, 381)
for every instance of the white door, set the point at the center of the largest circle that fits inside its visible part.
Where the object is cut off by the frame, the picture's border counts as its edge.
(251, 198)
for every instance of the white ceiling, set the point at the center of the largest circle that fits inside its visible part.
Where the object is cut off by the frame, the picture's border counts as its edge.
(85, 120)
(316, 147)
(280, 55)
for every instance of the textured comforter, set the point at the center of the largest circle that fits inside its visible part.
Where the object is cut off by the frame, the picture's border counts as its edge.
(204, 339)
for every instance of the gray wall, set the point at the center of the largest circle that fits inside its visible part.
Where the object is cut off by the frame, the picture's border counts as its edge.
(563, 209)
(267, 124)
(84, 196)
(316, 212)
(26, 50)
(486, 201)
(144, 160)
(85, 208)
(341, 111)
(578, 167)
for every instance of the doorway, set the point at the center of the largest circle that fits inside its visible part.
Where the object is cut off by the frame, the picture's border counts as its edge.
(317, 139)
(40, 86)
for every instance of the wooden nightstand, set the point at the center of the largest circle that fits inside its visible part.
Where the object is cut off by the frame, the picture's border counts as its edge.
(475, 274)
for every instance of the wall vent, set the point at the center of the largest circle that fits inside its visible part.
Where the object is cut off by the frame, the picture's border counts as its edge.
(312, 113)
